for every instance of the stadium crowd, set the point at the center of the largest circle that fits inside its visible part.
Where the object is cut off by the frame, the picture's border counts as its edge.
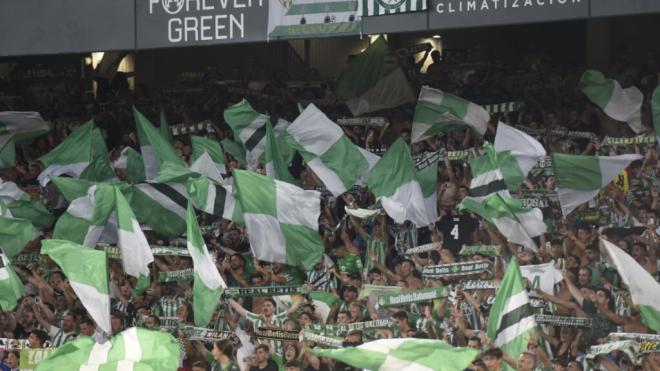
(571, 281)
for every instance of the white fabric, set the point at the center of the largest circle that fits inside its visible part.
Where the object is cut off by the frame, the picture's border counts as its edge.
(391, 91)
(332, 182)
(314, 131)
(162, 200)
(297, 206)
(477, 117)
(514, 232)
(74, 170)
(10, 192)
(512, 332)
(96, 303)
(371, 159)
(524, 148)
(151, 165)
(265, 231)
(407, 203)
(547, 274)
(4, 273)
(252, 156)
(204, 165)
(204, 267)
(135, 251)
(97, 356)
(611, 166)
(230, 203)
(626, 105)
(392, 363)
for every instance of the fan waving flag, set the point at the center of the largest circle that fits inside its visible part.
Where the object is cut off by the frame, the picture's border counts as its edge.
(11, 287)
(403, 354)
(329, 153)
(394, 182)
(438, 112)
(281, 219)
(580, 178)
(511, 320)
(89, 280)
(382, 7)
(517, 153)
(374, 81)
(208, 283)
(155, 149)
(644, 289)
(517, 223)
(132, 349)
(620, 104)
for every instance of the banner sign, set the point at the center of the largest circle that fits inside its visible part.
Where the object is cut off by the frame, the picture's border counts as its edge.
(555, 133)
(629, 347)
(546, 319)
(444, 14)
(640, 139)
(30, 358)
(235, 292)
(183, 129)
(405, 298)
(362, 121)
(114, 252)
(422, 248)
(167, 23)
(205, 334)
(427, 158)
(276, 334)
(457, 269)
(176, 276)
(616, 336)
(25, 259)
(302, 18)
(541, 198)
(486, 250)
(368, 289)
(342, 330)
(479, 285)
(168, 322)
(322, 340)
(14, 343)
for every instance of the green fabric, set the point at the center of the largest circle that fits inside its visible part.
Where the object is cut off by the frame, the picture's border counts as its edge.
(212, 147)
(149, 136)
(237, 151)
(655, 108)
(15, 234)
(392, 171)
(273, 155)
(596, 87)
(349, 264)
(68, 255)
(71, 188)
(577, 172)
(7, 155)
(75, 148)
(165, 131)
(11, 287)
(510, 169)
(428, 178)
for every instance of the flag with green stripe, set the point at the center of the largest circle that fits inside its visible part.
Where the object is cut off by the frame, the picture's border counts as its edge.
(394, 183)
(439, 112)
(87, 218)
(374, 81)
(428, 181)
(487, 177)
(155, 149)
(207, 284)
(207, 158)
(132, 349)
(618, 103)
(403, 354)
(161, 206)
(281, 219)
(135, 251)
(89, 280)
(511, 320)
(329, 153)
(11, 287)
(517, 154)
(580, 178)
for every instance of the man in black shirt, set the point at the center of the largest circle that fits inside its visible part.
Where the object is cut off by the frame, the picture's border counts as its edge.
(457, 229)
(263, 360)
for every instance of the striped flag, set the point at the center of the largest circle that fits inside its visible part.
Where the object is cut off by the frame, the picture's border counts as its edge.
(329, 153)
(11, 287)
(249, 128)
(394, 182)
(214, 153)
(618, 103)
(373, 81)
(132, 349)
(580, 178)
(487, 177)
(155, 149)
(132, 163)
(644, 289)
(511, 320)
(382, 7)
(438, 112)
(88, 217)
(517, 153)
(89, 280)
(161, 206)
(22, 206)
(208, 283)
(403, 354)
(281, 219)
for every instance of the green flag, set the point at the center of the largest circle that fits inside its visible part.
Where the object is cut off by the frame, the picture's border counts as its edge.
(7, 154)
(164, 127)
(132, 163)
(276, 168)
(15, 234)
(135, 251)
(86, 217)
(22, 206)
(155, 149)
(11, 288)
(207, 158)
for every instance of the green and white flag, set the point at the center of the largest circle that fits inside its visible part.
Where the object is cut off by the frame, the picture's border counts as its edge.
(428, 180)
(438, 112)
(14, 233)
(164, 128)
(155, 149)
(213, 164)
(655, 109)
(373, 81)
(11, 287)
(161, 206)
(281, 219)
(132, 349)
(236, 150)
(87, 272)
(311, 18)
(329, 153)
(276, 168)
(7, 154)
(394, 182)
(517, 223)
(403, 354)
(383, 7)
(82, 154)
(208, 283)
(580, 178)
(89, 217)
(132, 163)
(511, 320)
(487, 177)
(644, 289)
(135, 250)
(22, 206)
(620, 104)
(21, 126)
(517, 153)
(249, 127)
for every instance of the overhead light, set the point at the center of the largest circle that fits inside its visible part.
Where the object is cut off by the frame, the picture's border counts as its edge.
(437, 36)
